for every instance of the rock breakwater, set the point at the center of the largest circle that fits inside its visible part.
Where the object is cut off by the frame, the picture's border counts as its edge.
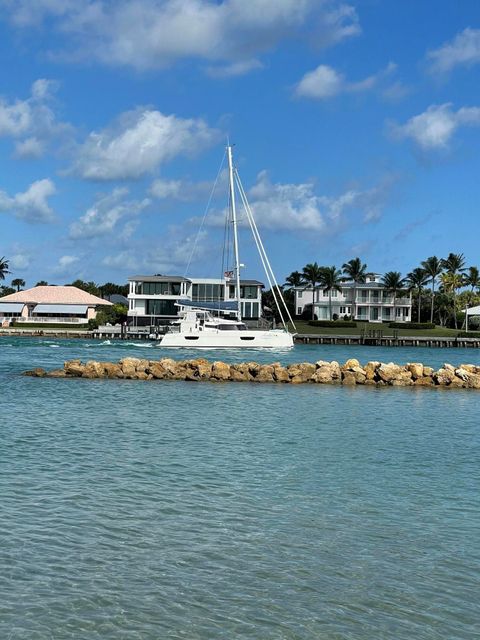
(351, 373)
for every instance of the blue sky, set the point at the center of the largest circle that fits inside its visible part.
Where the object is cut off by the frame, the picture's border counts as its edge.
(356, 128)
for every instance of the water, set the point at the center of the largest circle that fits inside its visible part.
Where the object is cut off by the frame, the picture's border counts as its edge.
(147, 510)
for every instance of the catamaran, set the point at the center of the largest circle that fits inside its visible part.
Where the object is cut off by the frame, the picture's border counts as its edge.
(209, 324)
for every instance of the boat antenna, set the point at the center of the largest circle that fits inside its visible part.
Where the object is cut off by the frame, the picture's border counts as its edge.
(234, 225)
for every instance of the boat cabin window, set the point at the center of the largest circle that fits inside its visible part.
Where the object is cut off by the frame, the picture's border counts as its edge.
(231, 327)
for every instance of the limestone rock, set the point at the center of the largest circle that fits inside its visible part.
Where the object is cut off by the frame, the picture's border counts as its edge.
(349, 379)
(220, 370)
(73, 368)
(57, 373)
(416, 369)
(371, 369)
(444, 376)
(265, 373)
(350, 364)
(428, 371)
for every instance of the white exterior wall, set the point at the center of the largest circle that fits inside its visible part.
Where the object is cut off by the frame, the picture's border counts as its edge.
(372, 304)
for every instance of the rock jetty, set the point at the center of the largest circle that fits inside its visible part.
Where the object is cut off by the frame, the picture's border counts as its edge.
(321, 372)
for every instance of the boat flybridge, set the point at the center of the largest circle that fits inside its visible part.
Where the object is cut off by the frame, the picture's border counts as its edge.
(210, 325)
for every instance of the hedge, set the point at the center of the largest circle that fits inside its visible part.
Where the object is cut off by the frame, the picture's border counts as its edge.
(45, 325)
(469, 334)
(332, 323)
(411, 325)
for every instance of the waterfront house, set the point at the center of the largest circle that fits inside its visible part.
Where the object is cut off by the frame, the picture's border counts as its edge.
(50, 305)
(152, 299)
(373, 303)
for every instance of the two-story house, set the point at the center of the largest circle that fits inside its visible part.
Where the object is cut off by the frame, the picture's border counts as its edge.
(152, 299)
(372, 302)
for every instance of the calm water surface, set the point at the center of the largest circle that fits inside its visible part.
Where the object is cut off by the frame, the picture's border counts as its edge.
(204, 511)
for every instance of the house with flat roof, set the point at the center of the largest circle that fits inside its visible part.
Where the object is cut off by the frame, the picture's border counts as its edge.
(152, 299)
(50, 305)
(368, 301)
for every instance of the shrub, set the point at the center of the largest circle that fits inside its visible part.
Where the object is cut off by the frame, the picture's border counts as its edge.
(412, 325)
(332, 323)
(474, 323)
(468, 334)
(335, 316)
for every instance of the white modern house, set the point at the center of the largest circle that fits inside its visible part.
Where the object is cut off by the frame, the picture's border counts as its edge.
(152, 299)
(50, 305)
(372, 303)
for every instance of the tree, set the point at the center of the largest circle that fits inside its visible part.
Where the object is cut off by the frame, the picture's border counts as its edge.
(450, 283)
(472, 278)
(415, 281)
(18, 282)
(3, 268)
(312, 274)
(330, 281)
(89, 287)
(433, 268)
(6, 291)
(394, 284)
(295, 279)
(42, 283)
(356, 271)
(454, 265)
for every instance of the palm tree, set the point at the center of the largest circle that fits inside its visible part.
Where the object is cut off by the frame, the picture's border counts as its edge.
(357, 272)
(330, 281)
(393, 283)
(433, 268)
(295, 279)
(416, 280)
(42, 283)
(18, 282)
(3, 268)
(312, 274)
(454, 265)
(451, 282)
(472, 278)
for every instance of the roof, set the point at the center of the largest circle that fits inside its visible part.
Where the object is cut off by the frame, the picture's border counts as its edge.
(192, 280)
(11, 307)
(55, 295)
(159, 278)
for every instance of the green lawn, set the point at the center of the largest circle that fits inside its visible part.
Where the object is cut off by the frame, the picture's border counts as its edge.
(438, 332)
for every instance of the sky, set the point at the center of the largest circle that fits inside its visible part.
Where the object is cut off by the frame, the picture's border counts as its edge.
(355, 125)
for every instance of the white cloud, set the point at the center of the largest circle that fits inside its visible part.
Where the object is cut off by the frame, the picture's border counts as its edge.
(464, 50)
(297, 208)
(65, 262)
(173, 254)
(434, 128)
(138, 142)
(234, 69)
(31, 205)
(106, 215)
(31, 122)
(20, 261)
(156, 33)
(185, 190)
(325, 82)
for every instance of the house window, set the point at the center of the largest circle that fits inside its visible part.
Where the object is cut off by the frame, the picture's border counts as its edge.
(299, 293)
(299, 311)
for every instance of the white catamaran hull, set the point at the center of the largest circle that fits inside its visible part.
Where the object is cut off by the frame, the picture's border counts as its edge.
(229, 339)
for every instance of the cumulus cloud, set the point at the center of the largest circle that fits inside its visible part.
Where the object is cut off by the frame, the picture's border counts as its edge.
(65, 263)
(185, 190)
(107, 214)
(31, 205)
(463, 50)
(234, 69)
(20, 261)
(434, 128)
(138, 142)
(297, 208)
(147, 34)
(325, 82)
(32, 122)
(173, 253)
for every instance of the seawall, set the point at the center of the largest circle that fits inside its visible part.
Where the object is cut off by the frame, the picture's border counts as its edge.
(351, 373)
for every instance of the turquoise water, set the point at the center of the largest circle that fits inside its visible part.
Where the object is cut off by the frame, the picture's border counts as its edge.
(180, 510)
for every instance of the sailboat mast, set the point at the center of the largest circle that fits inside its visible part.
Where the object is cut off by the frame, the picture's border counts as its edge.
(235, 232)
